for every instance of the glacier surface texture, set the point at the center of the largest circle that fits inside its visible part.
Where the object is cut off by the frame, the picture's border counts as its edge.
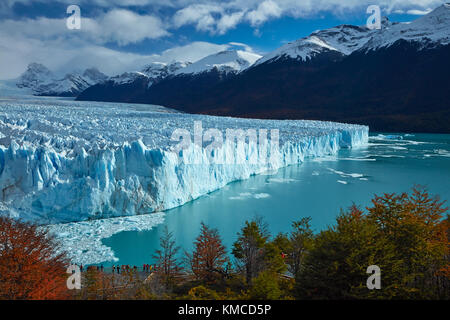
(66, 161)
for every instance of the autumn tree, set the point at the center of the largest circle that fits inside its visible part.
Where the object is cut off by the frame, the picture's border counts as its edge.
(208, 261)
(31, 264)
(167, 266)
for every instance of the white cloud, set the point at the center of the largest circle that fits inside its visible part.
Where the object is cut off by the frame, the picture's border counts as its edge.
(418, 12)
(229, 21)
(241, 45)
(120, 26)
(266, 10)
(303, 7)
(199, 15)
(48, 40)
(219, 16)
(124, 27)
(208, 17)
(62, 55)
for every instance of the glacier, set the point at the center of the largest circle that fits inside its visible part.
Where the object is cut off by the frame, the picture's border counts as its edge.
(67, 161)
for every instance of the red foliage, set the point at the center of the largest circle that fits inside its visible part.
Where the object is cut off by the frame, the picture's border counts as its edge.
(30, 269)
(208, 260)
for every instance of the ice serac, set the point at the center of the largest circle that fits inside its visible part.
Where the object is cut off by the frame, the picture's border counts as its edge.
(63, 161)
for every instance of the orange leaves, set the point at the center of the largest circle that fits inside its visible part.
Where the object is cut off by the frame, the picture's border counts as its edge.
(29, 266)
(208, 260)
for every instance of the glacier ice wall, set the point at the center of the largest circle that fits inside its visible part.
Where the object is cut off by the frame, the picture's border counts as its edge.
(66, 161)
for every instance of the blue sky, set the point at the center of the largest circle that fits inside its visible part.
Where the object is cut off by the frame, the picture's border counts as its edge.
(118, 35)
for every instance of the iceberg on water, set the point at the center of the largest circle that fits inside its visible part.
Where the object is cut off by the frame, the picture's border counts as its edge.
(66, 161)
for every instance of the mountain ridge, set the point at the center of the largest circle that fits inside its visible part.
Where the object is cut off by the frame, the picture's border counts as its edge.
(43, 82)
(391, 79)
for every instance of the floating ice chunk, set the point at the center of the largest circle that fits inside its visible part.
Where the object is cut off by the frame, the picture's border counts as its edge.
(261, 195)
(247, 195)
(343, 174)
(398, 148)
(387, 137)
(281, 180)
(357, 159)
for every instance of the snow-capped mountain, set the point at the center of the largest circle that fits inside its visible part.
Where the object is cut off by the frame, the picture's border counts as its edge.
(157, 79)
(343, 40)
(395, 78)
(41, 81)
(152, 72)
(230, 61)
(36, 75)
(225, 62)
(93, 75)
(431, 29)
(162, 70)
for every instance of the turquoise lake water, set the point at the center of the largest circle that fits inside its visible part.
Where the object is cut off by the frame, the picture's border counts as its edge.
(318, 188)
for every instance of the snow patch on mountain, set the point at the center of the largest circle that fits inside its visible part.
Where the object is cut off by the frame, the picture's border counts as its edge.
(152, 72)
(429, 30)
(230, 61)
(36, 75)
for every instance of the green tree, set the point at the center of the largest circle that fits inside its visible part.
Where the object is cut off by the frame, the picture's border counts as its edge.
(249, 249)
(402, 234)
(412, 226)
(167, 266)
(202, 293)
(265, 287)
(300, 242)
(328, 271)
(274, 257)
(255, 252)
